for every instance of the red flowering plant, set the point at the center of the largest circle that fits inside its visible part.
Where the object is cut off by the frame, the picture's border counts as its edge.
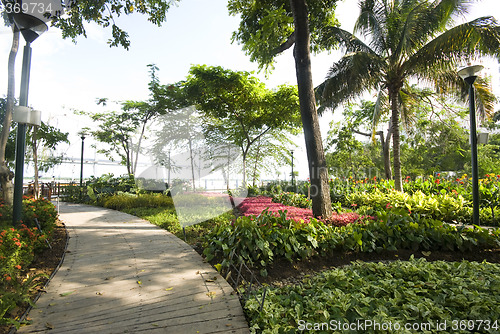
(254, 206)
(17, 249)
(346, 218)
(257, 205)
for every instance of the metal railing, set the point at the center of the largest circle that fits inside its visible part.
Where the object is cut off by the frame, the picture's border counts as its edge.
(243, 281)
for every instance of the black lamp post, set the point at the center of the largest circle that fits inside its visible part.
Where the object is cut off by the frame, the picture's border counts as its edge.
(31, 27)
(293, 176)
(81, 161)
(469, 74)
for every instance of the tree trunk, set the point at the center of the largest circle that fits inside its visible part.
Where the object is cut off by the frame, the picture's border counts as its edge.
(320, 190)
(254, 181)
(6, 175)
(191, 158)
(386, 151)
(35, 163)
(393, 95)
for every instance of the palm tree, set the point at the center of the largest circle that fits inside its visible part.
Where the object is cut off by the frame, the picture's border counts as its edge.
(409, 41)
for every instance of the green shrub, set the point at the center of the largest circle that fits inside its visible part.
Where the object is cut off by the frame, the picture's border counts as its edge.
(96, 189)
(399, 230)
(259, 240)
(487, 216)
(262, 239)
(442, 207)
(123, 201)
(41, 209)
(253, 191)
(292, 199)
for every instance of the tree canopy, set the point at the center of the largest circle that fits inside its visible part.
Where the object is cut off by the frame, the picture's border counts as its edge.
(239, 108)
(267, 27)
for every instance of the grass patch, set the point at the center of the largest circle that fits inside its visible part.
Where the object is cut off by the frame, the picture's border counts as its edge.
(166, 218)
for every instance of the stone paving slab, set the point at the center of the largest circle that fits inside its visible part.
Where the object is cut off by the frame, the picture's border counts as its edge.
(122, 274)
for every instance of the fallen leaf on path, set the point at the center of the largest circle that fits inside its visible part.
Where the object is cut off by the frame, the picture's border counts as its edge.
(66, 293)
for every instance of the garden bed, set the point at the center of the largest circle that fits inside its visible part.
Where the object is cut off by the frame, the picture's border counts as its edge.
(282, 272)
(44, 263)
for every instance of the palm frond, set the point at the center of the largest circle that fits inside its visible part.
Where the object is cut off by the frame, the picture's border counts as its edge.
(410, 99)
(348, 42)
(485, 100)
(381, 108)
(371, 22)
(419, 25)
(353, 74)
(450, 84)
(472, 39)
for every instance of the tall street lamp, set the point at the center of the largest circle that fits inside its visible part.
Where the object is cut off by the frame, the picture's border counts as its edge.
(469, 74)
(31, 27)
(291, 152)
(81, 165)
(81, 160)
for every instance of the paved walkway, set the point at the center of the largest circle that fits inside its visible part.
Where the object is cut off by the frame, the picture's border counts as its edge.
(122, 274)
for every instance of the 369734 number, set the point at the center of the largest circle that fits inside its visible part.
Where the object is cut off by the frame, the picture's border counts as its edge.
(28, 8)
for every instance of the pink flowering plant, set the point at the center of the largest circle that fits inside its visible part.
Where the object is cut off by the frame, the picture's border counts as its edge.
(267, 231)
(254, 206)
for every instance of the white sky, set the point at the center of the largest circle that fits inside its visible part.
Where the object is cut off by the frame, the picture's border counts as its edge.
(66, 75)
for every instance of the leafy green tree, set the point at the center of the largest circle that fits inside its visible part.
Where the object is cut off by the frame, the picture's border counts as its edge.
(239, 108)
(347, 154)
(116, 129)
(179, 129)
(407, 39)
(270, 27)
(123, 131)
(43, 140)
(269, 152)
(45, 136)
(435, 143)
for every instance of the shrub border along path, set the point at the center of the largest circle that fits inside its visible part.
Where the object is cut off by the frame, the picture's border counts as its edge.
(122, 274)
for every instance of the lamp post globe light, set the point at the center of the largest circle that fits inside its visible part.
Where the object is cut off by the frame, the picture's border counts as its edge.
(469, 75)
(29, 18)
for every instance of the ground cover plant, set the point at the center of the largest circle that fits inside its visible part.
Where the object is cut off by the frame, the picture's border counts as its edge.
(458, 297)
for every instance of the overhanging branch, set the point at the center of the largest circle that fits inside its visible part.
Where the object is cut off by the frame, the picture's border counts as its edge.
(286, 45)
